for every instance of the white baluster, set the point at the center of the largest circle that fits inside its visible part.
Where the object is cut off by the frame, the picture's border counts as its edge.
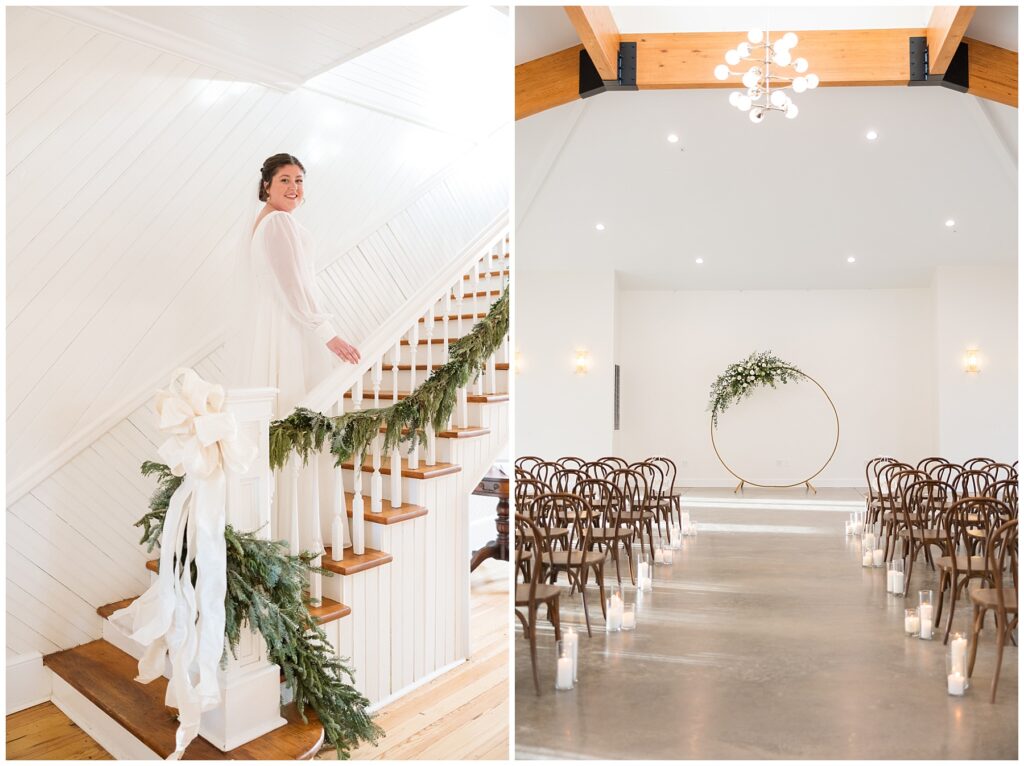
(340, 512)
(492, 373)
(464, 407)
(479, 384)
(315, 585)
(293, 510)
(396, 455)
(444, 319)
(376, 483)
(414, 340)
(431, 439)
(358, 529)
(504, 350)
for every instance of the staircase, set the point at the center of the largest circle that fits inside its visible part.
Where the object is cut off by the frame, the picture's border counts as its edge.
(397, 604)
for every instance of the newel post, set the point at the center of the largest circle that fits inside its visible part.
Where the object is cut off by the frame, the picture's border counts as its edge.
(250, 685)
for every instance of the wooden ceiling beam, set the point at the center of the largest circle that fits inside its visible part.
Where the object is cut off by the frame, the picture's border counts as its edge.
(992, 72)
(868, 57)
(599, 34)
(548, 82)
(946, 30)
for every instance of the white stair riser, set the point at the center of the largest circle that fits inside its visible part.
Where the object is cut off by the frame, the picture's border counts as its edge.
(109, 734)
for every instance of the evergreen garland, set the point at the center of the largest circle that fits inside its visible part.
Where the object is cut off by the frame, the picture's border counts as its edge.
(761, 368)
(266, 589)
(305, 431)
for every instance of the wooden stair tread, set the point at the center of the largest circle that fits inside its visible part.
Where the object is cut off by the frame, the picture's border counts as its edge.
(105, 676)
(456, 317)
(436, 366)
(423, 472)
(478, 294)
(502, 273)
(487, 398)
(470, 432)
(432, 341)
(387, 396)
(351, 563)
(389, 515)
(328, 611)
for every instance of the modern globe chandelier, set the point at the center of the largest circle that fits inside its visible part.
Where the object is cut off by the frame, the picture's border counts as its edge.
(765, 86)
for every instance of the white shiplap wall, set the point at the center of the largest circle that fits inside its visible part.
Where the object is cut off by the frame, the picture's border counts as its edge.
(127, 174)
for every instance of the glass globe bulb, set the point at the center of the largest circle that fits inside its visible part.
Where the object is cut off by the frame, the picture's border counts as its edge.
(800, 65)
(750, 79)
(732, 57)
(743, 49)
(734, 98)
(778, 98)
(799, 84)
(791, 111)
(790, 39)
(754, 93)
(756, 115)
(783, 57)
(721, 72)
(744, 103)
(812, 81)
(755, 36)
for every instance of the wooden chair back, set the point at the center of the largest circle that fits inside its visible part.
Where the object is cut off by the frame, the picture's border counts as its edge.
(929, 463)
(566, 480)
(972, 483)
(606, 498)
(570, 461)
(571, 512)
(977, 463)
(527, 462)
(669, 469)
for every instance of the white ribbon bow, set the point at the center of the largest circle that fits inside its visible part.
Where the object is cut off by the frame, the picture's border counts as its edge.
(175, 619)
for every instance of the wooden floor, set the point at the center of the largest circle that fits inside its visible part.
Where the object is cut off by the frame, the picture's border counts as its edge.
(461, 715)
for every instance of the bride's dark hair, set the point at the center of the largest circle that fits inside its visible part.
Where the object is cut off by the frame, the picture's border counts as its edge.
(270, 166)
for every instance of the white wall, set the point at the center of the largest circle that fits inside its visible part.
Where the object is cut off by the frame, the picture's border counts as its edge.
(558, 412)
(977, 414)
(872, 350)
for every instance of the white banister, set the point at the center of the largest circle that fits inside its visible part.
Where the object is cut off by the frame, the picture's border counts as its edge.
(358, 530)
(293, 510)
(315, 586)
(414, 342)
(431, 439)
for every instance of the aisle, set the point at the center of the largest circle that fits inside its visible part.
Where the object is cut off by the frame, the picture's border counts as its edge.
(765, 639)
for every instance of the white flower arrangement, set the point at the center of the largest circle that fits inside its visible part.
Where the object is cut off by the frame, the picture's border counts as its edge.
(761, 368)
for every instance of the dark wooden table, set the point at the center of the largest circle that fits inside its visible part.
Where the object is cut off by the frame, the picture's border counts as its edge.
(494, 484)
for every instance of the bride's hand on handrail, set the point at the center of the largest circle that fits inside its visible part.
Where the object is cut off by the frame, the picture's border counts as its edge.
(345, 351)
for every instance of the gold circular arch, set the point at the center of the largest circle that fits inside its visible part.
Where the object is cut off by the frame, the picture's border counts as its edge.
(806, 481)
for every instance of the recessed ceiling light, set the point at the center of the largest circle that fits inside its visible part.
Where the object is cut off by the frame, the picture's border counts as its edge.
(700, 260)
(600, 227)
(673, 138)
(851, 259)
(872, 135)
(950, 223)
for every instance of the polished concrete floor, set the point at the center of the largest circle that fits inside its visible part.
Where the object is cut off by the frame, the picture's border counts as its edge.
(764, 639)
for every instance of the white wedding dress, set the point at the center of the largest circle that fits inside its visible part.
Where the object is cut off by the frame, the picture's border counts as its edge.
(279, 331)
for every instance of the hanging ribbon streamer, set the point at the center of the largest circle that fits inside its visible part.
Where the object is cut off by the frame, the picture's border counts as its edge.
(176, 620)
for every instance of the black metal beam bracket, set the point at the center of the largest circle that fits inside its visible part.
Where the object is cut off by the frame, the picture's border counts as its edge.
(957, 76)
(590, 79)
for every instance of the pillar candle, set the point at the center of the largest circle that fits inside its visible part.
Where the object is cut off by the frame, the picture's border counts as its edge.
(659, 556)
(564, 678)
(866, 559)
(889, 579)
(877, 556)
(926, 621)
(955, 684)
(912, 624)
(572, 642)
(897, 583)
(958, 651)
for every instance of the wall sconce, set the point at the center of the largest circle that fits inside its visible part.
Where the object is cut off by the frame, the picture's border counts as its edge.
(517, 362)
(582, 361)
(972, 360)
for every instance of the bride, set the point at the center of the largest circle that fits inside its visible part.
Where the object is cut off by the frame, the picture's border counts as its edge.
(287, 341)
(281, 337)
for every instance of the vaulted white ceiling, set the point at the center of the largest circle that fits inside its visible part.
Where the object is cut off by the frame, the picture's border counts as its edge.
(782, 204)
(279, 46)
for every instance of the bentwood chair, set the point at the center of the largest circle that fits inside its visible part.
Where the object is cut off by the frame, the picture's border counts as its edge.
(916, 524)
(527, 462)
(972, 483)
(611, 531)
(597, 470)
(672, 495)
(969, 520)
(614, 462)
(546, 471)
(655, 479)
(571, 462)
(1005, 491)
(532, 544)
(948, 473)
(977, 463)
(1000, 599)
(929, 463)
(565, 481)
(577, 560)
(873, 514)
(890, 517)
(999, 471)
(634, 492)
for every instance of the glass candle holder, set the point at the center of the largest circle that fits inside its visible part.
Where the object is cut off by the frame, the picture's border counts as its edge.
(878, 557)
(926, 611)
(613, 612)
(897, 578)
(677, 538)
(572, 641)
(957, 681)
(563, 667)
(866, 559)
(668, 555)
(659, 554)
(629, 617)
(643, 573)
(911, 622)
